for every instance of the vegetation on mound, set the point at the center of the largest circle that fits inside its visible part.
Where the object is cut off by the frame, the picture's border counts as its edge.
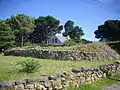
(9, 70)
(91, 47)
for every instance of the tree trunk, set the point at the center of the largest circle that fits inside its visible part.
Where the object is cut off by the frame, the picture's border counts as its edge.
(22, 41)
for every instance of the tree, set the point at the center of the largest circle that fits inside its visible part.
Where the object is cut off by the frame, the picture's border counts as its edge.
(21, 25)
(74, 32)
(46, 27)
(110, 30)
(6, 35)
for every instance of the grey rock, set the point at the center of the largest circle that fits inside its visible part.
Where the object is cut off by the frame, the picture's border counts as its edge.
(52, 77)
(44, 78)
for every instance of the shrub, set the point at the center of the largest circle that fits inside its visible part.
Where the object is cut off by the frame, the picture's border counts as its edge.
(72, 42)
(29, 66)
(28, 44)
(69, 42)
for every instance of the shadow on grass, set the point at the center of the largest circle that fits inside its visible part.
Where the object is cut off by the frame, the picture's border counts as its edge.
(115, 46)
(114, 76)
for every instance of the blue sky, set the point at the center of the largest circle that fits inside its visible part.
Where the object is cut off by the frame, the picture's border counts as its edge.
(88, 14)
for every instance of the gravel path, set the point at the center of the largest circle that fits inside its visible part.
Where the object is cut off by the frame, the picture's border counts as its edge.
(113, 87)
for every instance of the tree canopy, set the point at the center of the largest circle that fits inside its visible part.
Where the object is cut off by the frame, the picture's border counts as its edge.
(74, 32)
(46, 27)
(21, 24)
(110, 30)
(6, 35)
(21, 28)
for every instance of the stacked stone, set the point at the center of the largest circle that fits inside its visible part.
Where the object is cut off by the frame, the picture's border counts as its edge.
(53, 82)
(64, 54)
(62, 81)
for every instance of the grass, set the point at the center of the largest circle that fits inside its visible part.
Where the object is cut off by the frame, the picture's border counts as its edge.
(85, 87)
(115, 76)
(97, 85)
(9, 69)
(91, 47)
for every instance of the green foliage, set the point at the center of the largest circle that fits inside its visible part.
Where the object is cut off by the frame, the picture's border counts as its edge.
(72, 42)
(28, 44)
(6, 35)
(21, 29)
(21, 24)
(84, 41)
(46, 27)
(74, 32)
(114, 75)
(29, 65)
(110, 30)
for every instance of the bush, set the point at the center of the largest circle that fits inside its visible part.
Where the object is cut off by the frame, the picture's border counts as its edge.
(69, 42)
(72, 42)
(28, 44)
(29, 66)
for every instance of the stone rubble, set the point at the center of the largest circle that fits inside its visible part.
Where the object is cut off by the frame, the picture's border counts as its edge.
(77, 77)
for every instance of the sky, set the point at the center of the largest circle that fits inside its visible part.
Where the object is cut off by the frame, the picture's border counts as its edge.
(87, 14)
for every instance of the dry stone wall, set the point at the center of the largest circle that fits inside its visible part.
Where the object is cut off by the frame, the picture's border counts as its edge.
(77, 77)
(64, 54)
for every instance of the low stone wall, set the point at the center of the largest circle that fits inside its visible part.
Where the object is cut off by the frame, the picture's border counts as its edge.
(64, 55)
(77, 77)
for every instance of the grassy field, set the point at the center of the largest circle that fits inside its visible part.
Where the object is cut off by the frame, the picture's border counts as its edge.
(10, 71)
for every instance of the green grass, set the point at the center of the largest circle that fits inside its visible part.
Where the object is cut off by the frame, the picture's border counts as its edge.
(115, 76)
(85, 87)
(10, 71)
(91, 47)
(97, 85)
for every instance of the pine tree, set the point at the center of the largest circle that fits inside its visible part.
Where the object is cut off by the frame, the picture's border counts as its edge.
(6, 35)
